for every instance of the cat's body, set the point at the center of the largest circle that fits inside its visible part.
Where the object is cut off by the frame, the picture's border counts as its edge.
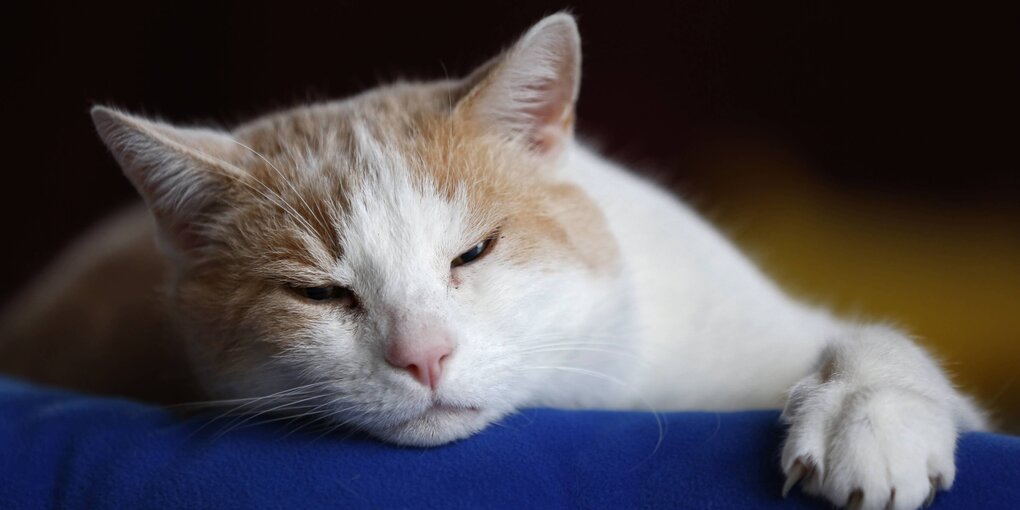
(423, 259)
(108, 287)
(80, 323)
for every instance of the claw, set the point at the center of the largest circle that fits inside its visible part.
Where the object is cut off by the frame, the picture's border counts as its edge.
(856, 500)
(797, 472)
(891, 504)
(936, 482)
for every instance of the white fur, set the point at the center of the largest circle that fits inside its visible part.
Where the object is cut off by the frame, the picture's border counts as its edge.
(719, 335)
(689, 323)
(686, 322)
(399, 235)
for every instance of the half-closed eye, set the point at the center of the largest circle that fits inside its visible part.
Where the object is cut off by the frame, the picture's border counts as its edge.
(330, 293)
(476, 252)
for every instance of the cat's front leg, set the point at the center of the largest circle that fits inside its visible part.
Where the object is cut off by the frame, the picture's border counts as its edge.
(876, 425)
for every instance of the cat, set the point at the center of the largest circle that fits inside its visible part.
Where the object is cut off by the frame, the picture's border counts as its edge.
(423, 259)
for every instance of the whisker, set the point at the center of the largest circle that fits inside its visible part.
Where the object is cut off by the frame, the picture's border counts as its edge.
(332, 429)
(231, 426)
(285, 417)
(579, 349)
(279, 201)
(215, 403)
(593, 373)
(253, 401)
(324, 415)
(284, 178)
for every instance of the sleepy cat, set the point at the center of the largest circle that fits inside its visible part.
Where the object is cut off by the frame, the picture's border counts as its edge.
(423, 259)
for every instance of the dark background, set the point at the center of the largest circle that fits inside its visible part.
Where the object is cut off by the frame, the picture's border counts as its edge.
(905, 106)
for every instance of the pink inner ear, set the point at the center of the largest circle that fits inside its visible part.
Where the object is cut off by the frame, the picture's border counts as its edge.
(182, 173)
(529, 94)
(552, 118)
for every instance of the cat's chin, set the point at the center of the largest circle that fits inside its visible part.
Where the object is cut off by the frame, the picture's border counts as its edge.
(438, 425)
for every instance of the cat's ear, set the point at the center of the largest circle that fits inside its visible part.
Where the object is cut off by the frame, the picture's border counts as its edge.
(528, 93)
(182, 174)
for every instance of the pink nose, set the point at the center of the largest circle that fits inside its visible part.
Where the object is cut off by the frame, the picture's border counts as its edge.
(422, 359)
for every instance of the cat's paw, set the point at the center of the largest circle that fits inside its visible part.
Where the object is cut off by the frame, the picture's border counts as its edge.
(862, 447)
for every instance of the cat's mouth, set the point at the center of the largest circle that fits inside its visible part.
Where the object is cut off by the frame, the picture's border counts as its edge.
(441, 407)
(446, 412)
(438, 424)
(443, 411)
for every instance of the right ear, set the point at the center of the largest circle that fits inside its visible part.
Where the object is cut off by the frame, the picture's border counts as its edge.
(182, 174)
(528, 92)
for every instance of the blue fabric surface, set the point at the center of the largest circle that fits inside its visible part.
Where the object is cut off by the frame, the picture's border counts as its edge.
(60, 449)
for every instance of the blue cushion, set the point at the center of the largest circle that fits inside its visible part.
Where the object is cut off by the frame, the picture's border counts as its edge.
(60, 449)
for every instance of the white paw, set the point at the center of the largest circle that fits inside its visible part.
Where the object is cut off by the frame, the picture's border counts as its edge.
(867, 447)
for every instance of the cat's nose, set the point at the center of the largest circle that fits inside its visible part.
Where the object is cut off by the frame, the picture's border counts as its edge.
(421, 357)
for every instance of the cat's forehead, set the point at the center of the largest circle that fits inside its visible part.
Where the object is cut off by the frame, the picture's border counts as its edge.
(330, 130)
(398, 170)
(392, 170)
(387, 140)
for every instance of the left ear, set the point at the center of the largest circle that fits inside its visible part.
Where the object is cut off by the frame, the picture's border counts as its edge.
(184, 175)
(528, 93)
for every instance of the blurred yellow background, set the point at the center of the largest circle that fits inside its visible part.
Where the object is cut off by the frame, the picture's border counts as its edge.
(949, 275)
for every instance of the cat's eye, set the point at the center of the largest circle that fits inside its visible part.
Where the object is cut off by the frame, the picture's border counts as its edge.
(332, 293)
(476, 252)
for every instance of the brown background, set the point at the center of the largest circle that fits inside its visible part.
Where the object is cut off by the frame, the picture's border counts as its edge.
(864, 154)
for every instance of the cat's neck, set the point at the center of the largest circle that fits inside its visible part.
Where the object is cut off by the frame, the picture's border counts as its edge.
(692, 291)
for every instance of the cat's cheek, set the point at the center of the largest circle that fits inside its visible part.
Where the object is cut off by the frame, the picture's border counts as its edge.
(477, 278)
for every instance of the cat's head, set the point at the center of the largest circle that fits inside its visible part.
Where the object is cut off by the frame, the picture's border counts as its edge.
(413, 261)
